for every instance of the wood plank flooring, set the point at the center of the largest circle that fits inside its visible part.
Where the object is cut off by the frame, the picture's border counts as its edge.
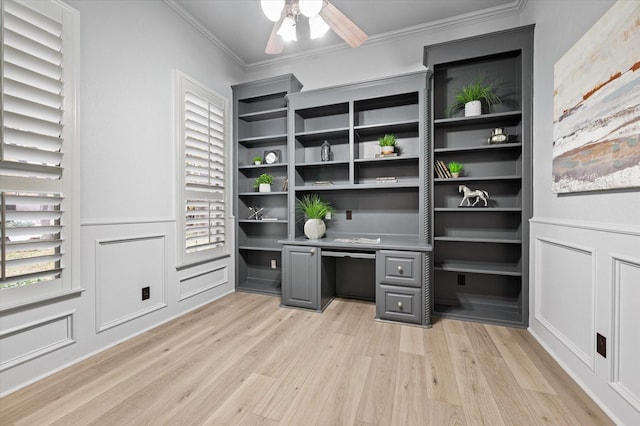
(244, 360)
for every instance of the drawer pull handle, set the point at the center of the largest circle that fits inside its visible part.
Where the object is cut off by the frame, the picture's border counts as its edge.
(399, 305)
(399, 269)
(313, 251)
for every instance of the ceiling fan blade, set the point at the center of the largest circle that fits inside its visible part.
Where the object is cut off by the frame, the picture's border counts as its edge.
(275, 45)
(342, 25)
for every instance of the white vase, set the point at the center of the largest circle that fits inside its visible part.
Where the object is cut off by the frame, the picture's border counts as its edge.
(314, 228)
(455, 174)
(264, 187)
(387, 149)
(472, 108)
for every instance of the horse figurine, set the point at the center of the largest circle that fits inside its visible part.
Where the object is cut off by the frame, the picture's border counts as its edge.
(479, 194)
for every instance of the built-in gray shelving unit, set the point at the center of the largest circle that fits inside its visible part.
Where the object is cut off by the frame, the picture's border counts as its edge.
(396, 271)
(260, 125)
(481, 254)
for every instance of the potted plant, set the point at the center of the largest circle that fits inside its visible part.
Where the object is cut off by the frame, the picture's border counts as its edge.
(471, 96)
(257, 160)
(263, 183)
(315, 211)
(455, 168)
(387, 144)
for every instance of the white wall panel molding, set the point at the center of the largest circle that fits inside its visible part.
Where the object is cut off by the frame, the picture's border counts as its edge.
(556, 285)
(35, 339)
(123, 266)
(202, 281)
(591, 226)
(625, 343)
(126, 221)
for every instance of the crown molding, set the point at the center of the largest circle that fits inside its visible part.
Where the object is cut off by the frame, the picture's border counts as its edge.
(514, 8)
(213, 39)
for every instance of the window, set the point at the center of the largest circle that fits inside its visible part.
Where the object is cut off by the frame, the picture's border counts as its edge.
(202, 206)
(36, 153)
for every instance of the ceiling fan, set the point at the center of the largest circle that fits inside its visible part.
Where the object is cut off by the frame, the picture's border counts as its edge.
(322, 16)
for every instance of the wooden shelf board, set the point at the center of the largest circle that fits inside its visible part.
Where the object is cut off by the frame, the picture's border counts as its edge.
(255, 285)
(322, 134)
(323, 163)
(262, 194)
(479, 240)
(262, 166)
(477, 209)
(484, 118)
(262, 221)
(492, 316)
(479, 268)
(475, 179)
(479, 148)
(360, 186)
(392, 127)
(398, 158)
(264, 140)
(275, 248)
(264, 115)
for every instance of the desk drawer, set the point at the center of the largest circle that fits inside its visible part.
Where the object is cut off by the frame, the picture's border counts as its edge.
(400, 267)
(399, 303)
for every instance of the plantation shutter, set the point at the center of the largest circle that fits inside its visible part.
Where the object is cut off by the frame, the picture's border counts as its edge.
(203, 201)
(32, 152)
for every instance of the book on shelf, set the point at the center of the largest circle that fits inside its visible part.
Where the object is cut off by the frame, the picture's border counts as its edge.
(269, 218)
(441, 169)
(323, 182)
(393, 154)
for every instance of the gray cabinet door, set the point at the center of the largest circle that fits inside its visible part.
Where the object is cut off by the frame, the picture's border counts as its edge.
(300, 279)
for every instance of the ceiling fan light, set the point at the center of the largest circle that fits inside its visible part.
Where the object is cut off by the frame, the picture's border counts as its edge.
(317, 27)
(310, 8)
(272, 9)
(288, 29)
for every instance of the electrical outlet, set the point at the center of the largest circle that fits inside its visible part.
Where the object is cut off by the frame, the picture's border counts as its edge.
(274, 265)
(601, 345)
(146, 293)
(348, 214)
(462, 279)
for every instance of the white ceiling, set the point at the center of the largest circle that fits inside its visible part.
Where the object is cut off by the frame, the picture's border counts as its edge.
(242, 29)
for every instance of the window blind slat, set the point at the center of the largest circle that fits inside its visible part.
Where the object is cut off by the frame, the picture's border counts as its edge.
(31, 124)
(32, 79)
(33, 94)
(35, 110)
(51, 23)
(33, 156)
(32, 140)
(49, 52)
(25, 60)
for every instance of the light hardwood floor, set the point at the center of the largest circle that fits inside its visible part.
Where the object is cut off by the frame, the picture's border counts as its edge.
(244, 360)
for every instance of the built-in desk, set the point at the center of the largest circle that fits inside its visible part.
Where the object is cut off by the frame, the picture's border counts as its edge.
(393, 272)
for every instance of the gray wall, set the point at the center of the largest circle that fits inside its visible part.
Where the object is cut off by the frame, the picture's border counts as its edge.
(128, 54)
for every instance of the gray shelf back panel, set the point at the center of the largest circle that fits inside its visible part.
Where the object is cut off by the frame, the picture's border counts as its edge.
(495, 256)
(474, 135)
(246, 154)
(487, 163)
(322, 118)
(307, 150)
(501, 193)
(374, 212)
(247, 178)
(493, 224)
(338, 174)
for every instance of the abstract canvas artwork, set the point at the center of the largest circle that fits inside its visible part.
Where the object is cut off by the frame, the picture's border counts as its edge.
(596, 110)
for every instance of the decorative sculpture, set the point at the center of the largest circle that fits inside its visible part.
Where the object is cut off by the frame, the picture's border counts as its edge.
(256, 212)
(479, 194)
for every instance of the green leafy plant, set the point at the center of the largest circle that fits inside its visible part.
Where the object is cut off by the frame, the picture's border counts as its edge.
(312, 207)
(263, 178)
(455, 167)
(257, 159)
(387, 140)
(477, 90)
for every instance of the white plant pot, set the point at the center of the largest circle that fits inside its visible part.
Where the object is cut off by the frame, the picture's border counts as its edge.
(264, 187)
(387, 149)
(314, 228)
(257, 163)
(472, 108)
(455, 175)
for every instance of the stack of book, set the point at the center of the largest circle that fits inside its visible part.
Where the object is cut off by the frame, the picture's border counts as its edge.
(393, 154)
(441, 170)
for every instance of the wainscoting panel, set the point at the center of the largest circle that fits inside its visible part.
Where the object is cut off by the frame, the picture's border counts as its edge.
(203, 281)
(565, 274)
(124, 267)
(626, 329)
(585, 280)
(33, 340)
